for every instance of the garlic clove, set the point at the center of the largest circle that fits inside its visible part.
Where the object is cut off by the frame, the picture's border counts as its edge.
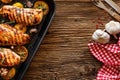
(106, 37)
(113, 28)
(101, 36)
(95, 35)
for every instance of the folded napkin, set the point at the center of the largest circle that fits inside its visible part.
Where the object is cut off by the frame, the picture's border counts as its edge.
(109, 73)
(109, 55)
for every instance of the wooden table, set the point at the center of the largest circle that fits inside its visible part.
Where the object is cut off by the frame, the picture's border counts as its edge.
(64, 54)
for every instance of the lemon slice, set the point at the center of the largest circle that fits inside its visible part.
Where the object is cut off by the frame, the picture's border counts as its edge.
(18, 4)
(42, 5)
(21, 27)
(22, 52)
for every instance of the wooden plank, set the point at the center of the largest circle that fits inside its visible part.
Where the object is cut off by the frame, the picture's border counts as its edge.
(74, 0)
(79, 0)
(64, 54)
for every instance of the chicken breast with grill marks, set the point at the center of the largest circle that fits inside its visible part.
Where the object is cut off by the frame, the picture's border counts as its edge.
(10, 36)
(27, 16)
(8, 57)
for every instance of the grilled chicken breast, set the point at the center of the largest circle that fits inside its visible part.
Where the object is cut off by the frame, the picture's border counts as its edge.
(10, 36)
(25, 16)
(8, 57)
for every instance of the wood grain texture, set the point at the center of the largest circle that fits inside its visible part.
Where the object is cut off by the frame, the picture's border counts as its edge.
(64, 54)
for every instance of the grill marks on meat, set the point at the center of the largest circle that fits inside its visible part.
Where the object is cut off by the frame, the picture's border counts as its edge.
(8, 57)
(26, 16)
(11, 36)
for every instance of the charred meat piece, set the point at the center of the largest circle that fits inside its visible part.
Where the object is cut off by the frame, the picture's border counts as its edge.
(10, 36)
(25, 16)
(8, 57)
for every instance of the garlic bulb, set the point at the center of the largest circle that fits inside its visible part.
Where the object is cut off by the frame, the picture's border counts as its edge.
(113, 28)
(101, 36)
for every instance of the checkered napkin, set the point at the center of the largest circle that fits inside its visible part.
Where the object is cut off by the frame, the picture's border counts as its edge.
(109, 73)
(109, 54)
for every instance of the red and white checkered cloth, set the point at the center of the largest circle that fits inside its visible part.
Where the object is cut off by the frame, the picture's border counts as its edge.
(109, 54)
(109, 73)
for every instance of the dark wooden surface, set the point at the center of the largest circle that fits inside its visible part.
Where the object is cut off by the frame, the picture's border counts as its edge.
(64, 54)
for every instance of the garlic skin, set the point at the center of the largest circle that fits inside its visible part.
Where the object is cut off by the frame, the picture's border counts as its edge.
(113, 28)
(101, 36)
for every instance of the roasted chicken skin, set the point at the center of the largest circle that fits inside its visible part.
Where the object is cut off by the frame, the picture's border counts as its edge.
(25, 16)
(8, 57)
(10, 36)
